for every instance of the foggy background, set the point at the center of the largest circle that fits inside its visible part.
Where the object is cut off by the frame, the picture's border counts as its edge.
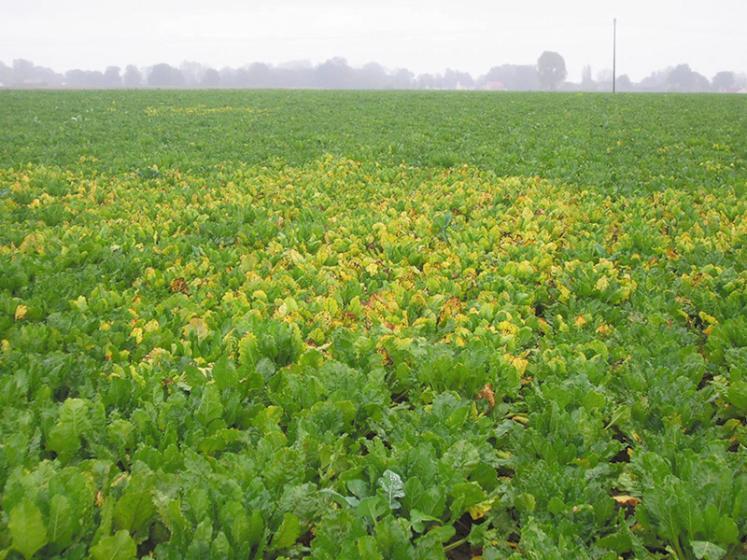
(328, 43)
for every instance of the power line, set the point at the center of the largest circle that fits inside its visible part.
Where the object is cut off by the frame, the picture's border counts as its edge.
(614, 53)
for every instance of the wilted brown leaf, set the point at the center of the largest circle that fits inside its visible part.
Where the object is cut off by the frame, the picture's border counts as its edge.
(179, 285)
(627, 501)
(487, 393)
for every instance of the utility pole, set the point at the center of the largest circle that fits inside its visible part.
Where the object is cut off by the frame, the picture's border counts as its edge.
(614, 54)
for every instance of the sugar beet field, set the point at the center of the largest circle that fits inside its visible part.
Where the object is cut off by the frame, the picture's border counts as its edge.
(264, 325)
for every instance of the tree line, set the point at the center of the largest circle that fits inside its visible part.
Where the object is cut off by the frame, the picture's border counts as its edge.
(548, 73)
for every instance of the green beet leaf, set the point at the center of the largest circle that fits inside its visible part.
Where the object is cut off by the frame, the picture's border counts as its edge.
(61, 521)
(393, 487)
(27, 530)
(135, 508)
(65, 436)
(118, 546)
(225, 374)
(287, 533)
(705, 550)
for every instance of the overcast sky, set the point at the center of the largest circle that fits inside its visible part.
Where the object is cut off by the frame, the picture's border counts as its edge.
(422, 35)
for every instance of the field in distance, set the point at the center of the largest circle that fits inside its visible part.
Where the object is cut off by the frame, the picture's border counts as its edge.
(372, 325)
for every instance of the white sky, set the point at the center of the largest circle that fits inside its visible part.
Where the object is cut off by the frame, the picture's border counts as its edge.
(422, 35)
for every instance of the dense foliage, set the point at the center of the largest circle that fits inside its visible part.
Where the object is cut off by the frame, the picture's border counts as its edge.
(372, 326)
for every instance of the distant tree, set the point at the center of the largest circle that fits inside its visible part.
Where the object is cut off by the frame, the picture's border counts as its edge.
(296, 77)
(656, 81)
(466, 80)
(6, 74)
(76, 78)
(525, 77)
(334, 74)
(259, 75)
(210, 78)
(586, 79)
(85, 79)
(551, 69)
(454, 79)
(228, 76)
(682, 78)
(164, 75)
(426, 81)
(402, 79)
(26, 74)
(132, 77)
(23, 71)
(724, 81)
(515, 77)
(112, 77)
(372, 76)
(624, 83)
(295, 74)
(95, 79)
(48, 77)
(449, 80)
(192, 72)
